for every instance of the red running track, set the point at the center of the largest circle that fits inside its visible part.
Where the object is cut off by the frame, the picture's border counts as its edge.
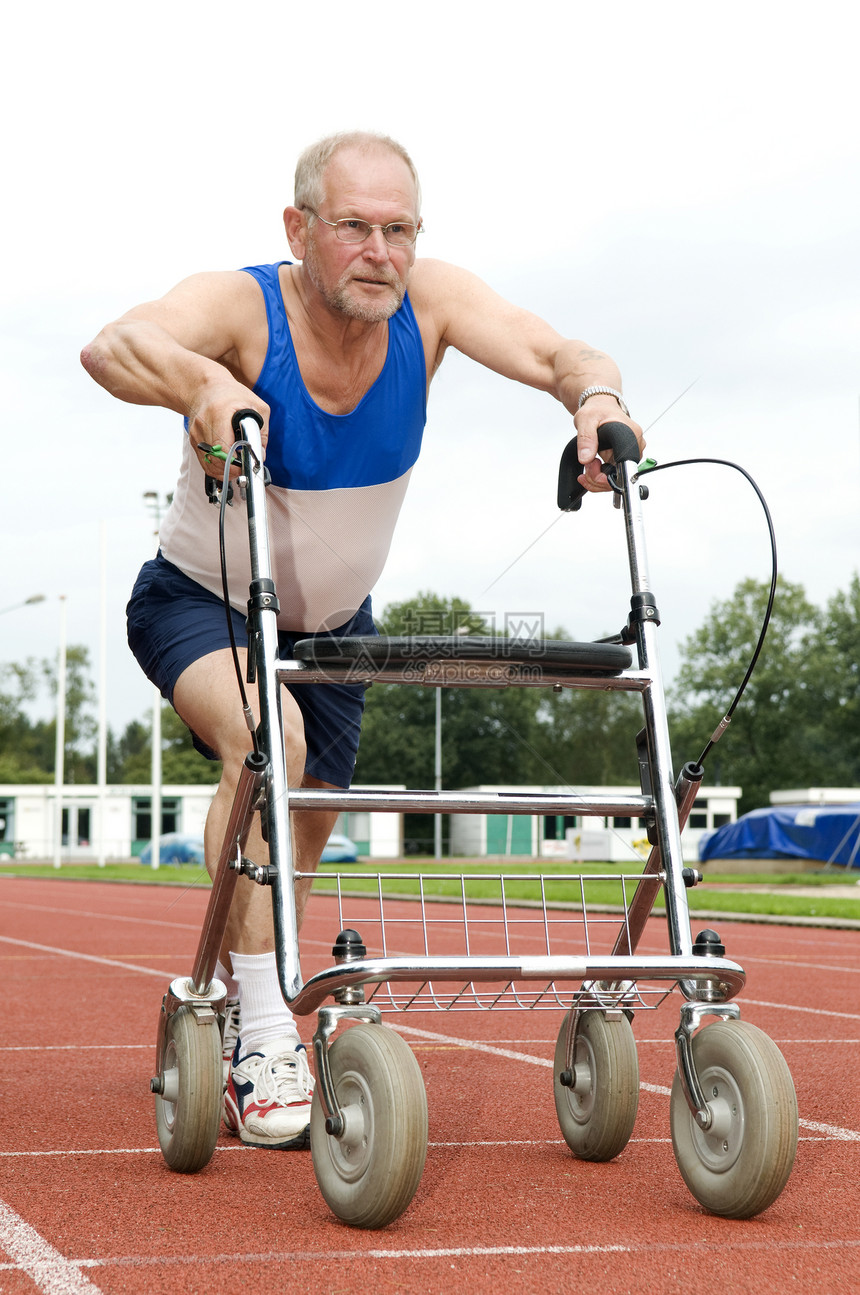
(87, 1203)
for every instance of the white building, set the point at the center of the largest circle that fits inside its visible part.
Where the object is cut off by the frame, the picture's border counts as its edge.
(579, 837)
(817, 796)
(122, 814)
(119, 819)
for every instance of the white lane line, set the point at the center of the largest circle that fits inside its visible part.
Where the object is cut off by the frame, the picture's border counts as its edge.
(801, 966)
(52, 1273)
(832, 1130)
(86, 957)
(659, 950)
(146, 1047)
(790, 1007)
(473, 1044)
(292, 1257)
(141, 921)
(848, 1135)
(83, 1047)
(101, 1151)
(827, 1134)
(109, 917)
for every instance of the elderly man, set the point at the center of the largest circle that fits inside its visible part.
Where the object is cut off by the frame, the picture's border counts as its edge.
(336, 356)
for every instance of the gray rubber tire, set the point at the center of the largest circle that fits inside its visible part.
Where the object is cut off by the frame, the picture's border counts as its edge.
(369, 1175)
(740, 1165)
(597, 1113)
(188, 1114)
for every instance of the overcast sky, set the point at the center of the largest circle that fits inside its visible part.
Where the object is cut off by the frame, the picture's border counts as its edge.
(674, 183)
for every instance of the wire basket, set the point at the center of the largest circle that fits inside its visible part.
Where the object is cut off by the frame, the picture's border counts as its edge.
(473, 916)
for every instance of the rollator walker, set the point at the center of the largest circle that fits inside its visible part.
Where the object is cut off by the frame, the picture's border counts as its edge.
(733, 1110)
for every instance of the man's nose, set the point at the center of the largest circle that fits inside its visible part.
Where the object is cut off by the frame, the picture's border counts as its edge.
(375, 245)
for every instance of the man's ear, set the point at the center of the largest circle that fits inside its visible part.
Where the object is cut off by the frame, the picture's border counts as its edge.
(295, 223)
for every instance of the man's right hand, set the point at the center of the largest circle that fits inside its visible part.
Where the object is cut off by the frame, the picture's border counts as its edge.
(212, 422)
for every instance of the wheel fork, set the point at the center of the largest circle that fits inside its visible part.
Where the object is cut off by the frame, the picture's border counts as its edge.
(328, 1020)
(691, 1019)
(183, 993)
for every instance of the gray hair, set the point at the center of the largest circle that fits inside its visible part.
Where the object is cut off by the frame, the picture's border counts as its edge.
(310, 168)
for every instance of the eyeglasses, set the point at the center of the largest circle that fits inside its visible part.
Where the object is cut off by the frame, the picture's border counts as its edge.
(351, 230)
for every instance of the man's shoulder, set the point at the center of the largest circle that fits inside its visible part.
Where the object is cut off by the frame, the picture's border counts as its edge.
(438, 291)
(430, 277)
(217, 313)
(208, 289)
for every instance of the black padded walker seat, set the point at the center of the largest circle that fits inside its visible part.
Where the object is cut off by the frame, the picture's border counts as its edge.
(607, 659)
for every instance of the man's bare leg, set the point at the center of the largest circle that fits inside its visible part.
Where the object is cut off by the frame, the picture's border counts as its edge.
(267, 1101)
(202, 698)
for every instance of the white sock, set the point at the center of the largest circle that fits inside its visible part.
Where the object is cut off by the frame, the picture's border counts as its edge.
(222, 974)
(265, 1016)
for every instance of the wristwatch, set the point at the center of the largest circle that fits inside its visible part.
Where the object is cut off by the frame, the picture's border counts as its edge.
(603, 391)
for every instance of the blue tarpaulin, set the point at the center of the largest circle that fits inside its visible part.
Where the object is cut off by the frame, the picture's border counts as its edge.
(830, 833)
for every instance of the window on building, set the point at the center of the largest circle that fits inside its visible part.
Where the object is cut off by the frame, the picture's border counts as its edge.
(698, 814)
(76, 825)
(555, 826)
(141, 816)
(7, 825)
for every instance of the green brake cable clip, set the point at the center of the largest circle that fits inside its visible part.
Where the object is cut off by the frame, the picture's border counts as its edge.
(211, 452)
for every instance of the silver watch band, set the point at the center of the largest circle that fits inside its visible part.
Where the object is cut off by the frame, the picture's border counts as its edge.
(603, 391)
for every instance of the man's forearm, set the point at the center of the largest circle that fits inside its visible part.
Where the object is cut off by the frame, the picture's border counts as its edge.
(578, 367)
(139, 362)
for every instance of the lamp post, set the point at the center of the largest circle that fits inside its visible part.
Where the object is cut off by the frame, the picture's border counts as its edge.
(101, 749)
(28, 602)
(155, 505)
(459, 632)
(437, 818)
(60, 749)
(13, 607)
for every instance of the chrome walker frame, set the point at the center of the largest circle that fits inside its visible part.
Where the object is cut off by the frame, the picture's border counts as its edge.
(608, 983)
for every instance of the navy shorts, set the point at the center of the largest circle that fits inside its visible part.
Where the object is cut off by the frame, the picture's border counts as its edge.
(173, 621)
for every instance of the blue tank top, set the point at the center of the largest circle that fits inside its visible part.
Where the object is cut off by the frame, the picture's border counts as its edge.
(339, 481)
(377, 442)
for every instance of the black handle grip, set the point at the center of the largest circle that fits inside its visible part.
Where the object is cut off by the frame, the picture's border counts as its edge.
(616, 437)
(245, 413)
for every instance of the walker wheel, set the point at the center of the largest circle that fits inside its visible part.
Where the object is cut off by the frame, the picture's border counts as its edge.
(597, 1110)
(188, 1107)
(739, 1165)
(369, 1174)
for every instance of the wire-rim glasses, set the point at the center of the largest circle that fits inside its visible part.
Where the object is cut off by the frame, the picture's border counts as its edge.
(352, 230)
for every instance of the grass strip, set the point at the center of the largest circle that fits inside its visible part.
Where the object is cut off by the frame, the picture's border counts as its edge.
(561, 885)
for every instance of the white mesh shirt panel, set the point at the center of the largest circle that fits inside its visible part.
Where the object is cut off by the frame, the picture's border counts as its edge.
(328, 547)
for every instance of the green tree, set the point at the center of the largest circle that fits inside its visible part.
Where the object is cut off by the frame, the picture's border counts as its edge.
(833, 726)
(130, 758)
(588, 737)
(28, 747)
(488, 734)
(129, 754)
(181, 762)
(80, 726)
(22, 745)
(768, 744)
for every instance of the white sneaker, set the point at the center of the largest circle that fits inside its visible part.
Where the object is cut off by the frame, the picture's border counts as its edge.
(268, 1097)
(231, 1034)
